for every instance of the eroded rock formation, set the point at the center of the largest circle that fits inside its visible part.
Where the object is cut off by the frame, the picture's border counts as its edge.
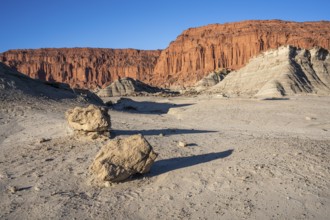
(17, 86)
(83, 67)
(276, 73)
(126, 86)
(198, 51)
(194, 54)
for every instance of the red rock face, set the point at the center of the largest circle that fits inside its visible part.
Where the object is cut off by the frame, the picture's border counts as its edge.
(197, 51)
(83, 67)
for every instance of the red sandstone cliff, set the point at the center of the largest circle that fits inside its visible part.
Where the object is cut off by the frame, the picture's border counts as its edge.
(197, 51)
(83, 67)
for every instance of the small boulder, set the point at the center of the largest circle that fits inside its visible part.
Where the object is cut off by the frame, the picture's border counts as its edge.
(121, 158)
(91, 121)
(182, 144)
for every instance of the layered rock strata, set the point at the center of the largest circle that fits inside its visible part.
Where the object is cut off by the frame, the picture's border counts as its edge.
(83, 67)
(127, 86)
(276, 73)
(194, 54)
(198, 51)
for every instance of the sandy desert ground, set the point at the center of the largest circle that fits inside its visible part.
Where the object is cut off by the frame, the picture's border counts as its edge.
(245, 159)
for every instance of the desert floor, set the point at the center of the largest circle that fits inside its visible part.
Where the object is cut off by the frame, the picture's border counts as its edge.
(245, 159)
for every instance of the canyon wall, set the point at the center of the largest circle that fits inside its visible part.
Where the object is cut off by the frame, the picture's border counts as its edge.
(197, 51)
(193, 55)
(83, 67)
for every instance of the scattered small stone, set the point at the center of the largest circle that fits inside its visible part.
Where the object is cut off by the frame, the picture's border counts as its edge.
(310, 118)
(37, 188)
(182, 144)
(107, 184)
(12, 189)
(161, 135)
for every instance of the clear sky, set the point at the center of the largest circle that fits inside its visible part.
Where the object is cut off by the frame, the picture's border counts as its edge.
(140, 24)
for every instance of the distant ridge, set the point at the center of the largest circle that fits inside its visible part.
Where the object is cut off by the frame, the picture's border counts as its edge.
(194, 54)
(198, 51)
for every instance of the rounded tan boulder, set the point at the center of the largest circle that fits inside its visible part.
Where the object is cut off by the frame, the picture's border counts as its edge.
(123, 157)
(92, 119)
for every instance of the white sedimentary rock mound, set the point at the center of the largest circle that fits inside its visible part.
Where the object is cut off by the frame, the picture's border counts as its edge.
(121, 158)
(126, 86)
(211, 79)
(276, 73)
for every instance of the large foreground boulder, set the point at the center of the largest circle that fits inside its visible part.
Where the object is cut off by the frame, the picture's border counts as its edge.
(92, 121)
(121, 158)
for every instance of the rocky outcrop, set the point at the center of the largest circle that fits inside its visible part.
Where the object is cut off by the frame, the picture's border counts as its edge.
(121, 158)
(211, 79)
(91, 122)
(194, 54)
(276, 73)
(83, 67)
(17, 86)
(127, 86)
(198, 51)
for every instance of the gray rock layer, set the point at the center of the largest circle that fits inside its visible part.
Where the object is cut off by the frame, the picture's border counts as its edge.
(276, 73)
(126, 86)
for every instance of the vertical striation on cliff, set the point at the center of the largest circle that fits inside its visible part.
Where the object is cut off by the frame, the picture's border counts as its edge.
(194, 54)
(83, 67)
(198, 51)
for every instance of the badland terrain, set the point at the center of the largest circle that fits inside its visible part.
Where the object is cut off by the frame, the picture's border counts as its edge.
(230, 121)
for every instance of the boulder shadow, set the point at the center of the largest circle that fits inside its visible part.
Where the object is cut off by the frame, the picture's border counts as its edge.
(275, 99)
(165, 132)
(144, 107)
(167, 165)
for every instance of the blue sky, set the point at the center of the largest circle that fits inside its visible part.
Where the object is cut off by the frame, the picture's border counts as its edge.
(140, 24)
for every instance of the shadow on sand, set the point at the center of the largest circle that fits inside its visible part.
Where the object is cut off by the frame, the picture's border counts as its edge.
(275, 99)
(167, 165)
(145, 107)
(165, 132)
